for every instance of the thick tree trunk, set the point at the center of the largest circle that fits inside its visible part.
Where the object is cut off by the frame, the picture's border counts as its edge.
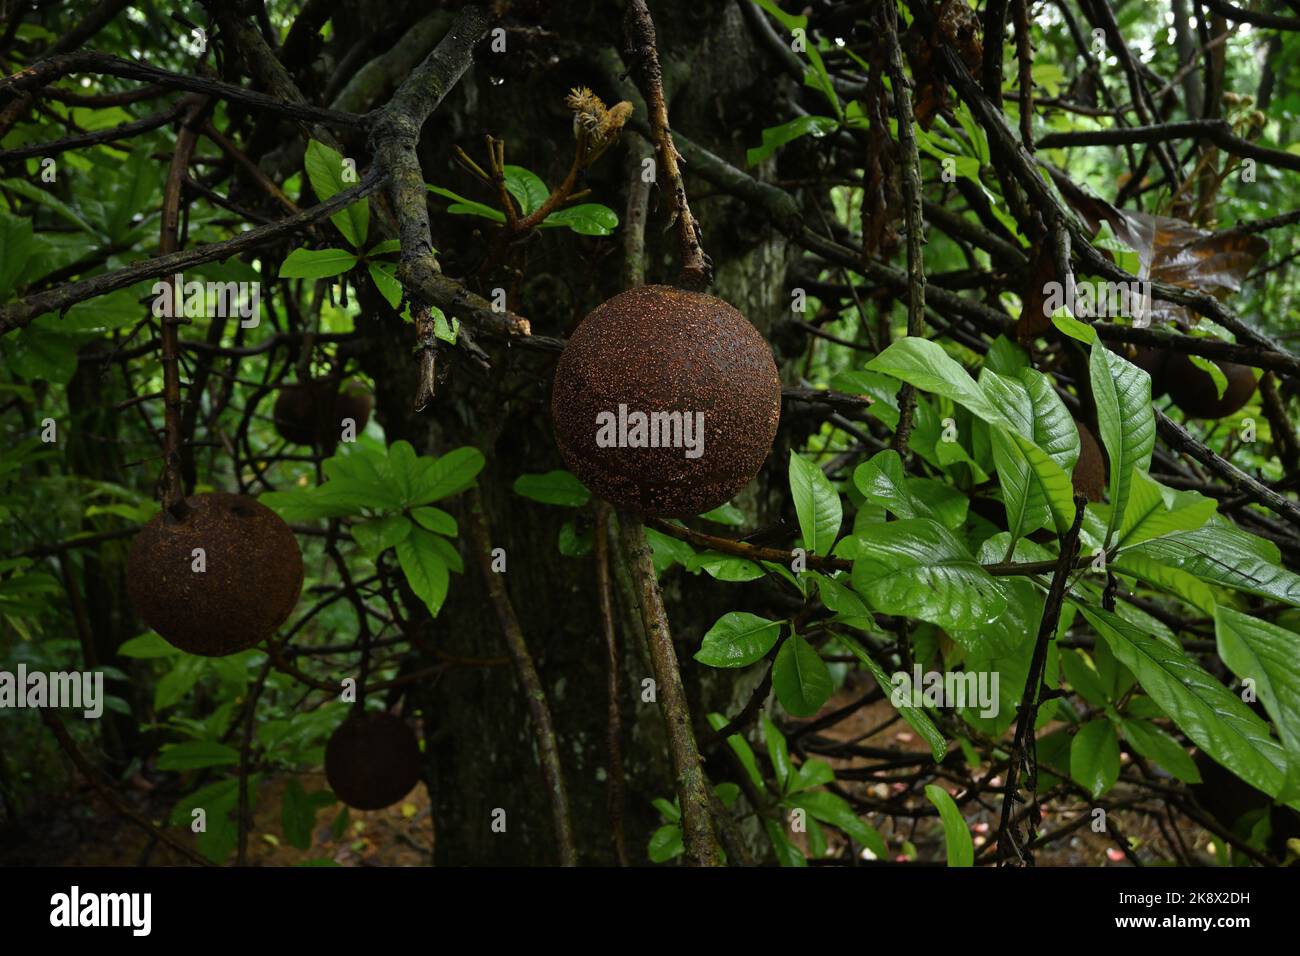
(480, 744)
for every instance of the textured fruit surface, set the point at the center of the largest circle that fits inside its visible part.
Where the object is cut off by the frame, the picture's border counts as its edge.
(1152, 361)
(1089, 477)
(1192, 388)
(372, 760)
(250, 583)
(312, 413)
(657, 349)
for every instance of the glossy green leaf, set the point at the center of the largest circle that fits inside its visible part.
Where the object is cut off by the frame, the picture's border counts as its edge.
(738, 639)
(817, 504)
(956, 837)
(800, 678)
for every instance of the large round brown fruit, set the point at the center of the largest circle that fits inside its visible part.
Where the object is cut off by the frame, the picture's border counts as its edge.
(1089, 477)
(1152, 361)
(250, 583)
(1192, 388)
(372, 760)
(312, 413)
(631, 387)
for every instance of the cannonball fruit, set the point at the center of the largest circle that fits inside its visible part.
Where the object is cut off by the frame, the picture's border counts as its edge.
(312, 413)
(1192, 388)
(1089, 477)
(665, 402)
(372, 760)
(1152, 361)
(229, 595)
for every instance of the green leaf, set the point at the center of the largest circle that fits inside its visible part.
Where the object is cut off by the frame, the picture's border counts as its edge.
(1094, 757)
(727, 514)
(724, 567)
(425, 568)
(177, 682)
(777, 752)
(316, 263)
(298, 813)
(1127, 424)
(817, 504)
(829, 808)
(196, 754)
(666, 843)
(147, 645)
(916, 718)
(1153, 743)
(1270, 656)
(325, 170)
(956, 837)
(527, 188)
(915, 567)
(16, 241)
(1037, 414)
(1209, 714)
(1147, 515)
(468, 207)
(139, 179)
(586, 219)
(436, 520)
(384, 275)
(1221, 553)
(376, 537)
(738, 639)
(848, 607)
(744, 753)
(1079, 672)
(448, 475)
(800, 678)
(925, 365)
(774, 137)
(553, 488)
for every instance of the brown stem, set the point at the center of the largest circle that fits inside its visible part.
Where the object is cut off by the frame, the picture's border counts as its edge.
(639, 33)
(605, 595)
(543, 730)
(692, 786)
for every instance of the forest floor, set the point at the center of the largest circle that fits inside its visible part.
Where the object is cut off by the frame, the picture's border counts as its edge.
(81, 830)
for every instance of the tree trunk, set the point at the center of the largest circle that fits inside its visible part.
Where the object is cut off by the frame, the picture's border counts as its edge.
(480, 742)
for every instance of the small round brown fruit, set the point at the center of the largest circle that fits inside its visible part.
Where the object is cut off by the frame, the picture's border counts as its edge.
(249, 583)
(1192, 388)
(372, 760)
(312, 413)
(1089, 477)
(665, 401)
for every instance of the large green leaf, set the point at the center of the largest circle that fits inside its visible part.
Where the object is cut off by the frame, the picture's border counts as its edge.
(325, 170)
(586, 219)
(915, 567)
(1149, 516)
(377, 536)
(526, 186)
(956, 837)
(738, 639)
(1154, 744)
(1210, 715)
(447, 475)
(1221, 553)
(817, 504)
(800, 677)
(925, 365)
(16, 241)
(1270, 656)
(197, 754)
(425, 568)
(1122, 392)
(1094, 757)
(1037, 414)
